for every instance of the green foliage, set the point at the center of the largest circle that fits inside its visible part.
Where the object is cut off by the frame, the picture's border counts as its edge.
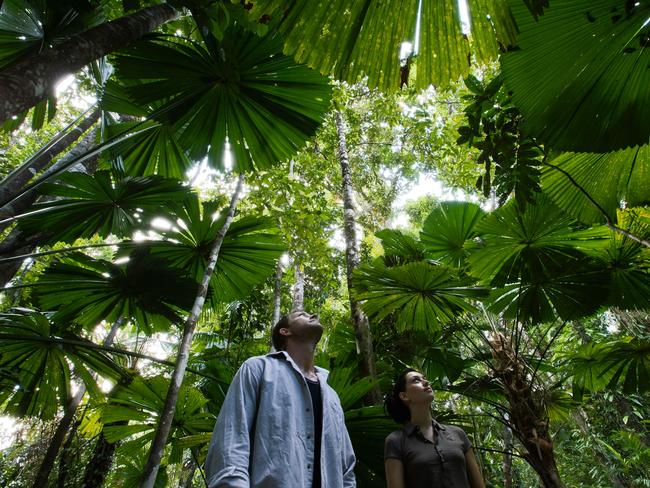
(248, 254)
(446, 230)
(352, 40)
(246, 92)
(421, 295)
(144, 289)
(37, 360)
(590, 187)
(140, 403)
(580, 74)
(534, 259)
(494, 128)
(90, 205)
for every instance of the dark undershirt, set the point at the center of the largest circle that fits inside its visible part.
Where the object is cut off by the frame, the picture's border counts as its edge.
(317, 403)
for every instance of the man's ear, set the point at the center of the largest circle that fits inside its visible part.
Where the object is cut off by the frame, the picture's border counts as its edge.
(284, 331)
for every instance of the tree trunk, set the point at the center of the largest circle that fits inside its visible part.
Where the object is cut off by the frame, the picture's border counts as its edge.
(188, 474)
(32, 78)
(507, 457)
(14, 182)
(299, 288)
(359, 319)
(101, 462)
(277, 302)
(167, 415)
(64, 425)
(527, 414)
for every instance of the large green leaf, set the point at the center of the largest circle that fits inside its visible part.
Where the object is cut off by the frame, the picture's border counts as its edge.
(145, 290)
(580, 182)
(248, 254)
(36, 371)
(628, 264)
(420, 295)
(246, 93)
(447, 228)
(537, 262)
(90, 205)
(581, 74)
(624, 362)
(135, 409)
(361, 38)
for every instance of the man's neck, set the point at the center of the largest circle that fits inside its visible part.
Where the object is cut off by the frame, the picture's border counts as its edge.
(302, 354)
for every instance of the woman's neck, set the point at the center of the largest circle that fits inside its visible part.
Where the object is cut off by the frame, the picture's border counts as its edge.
(421, 415)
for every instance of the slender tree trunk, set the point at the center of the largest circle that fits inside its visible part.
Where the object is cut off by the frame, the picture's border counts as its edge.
(277, 302)
(298, 288)
(188, 474)
(167, 415)
(359, 319)
(17, 179)
(68, 417)
(31, 79)
(507, 457)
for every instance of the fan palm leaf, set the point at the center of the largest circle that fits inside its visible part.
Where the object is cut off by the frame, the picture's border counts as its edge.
(139, 405)
(89, 205)
(37, 371)
(247, 93)
(248, 254)
(145, 290)
(420, 295)
(580, 75)
(537, 264)
(356, 39)
(153, 149)
(447, 228)
(620, 363)
(580, 183)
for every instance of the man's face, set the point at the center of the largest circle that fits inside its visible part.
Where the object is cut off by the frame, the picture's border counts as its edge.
(303, 325)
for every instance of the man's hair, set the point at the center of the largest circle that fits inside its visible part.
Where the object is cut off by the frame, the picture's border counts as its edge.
(394, 405)
(278, 340)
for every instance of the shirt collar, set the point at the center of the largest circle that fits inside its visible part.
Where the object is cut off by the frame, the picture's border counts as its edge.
(321, 372)
(409, 428)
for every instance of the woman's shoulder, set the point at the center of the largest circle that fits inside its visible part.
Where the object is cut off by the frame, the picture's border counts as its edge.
(395, 436)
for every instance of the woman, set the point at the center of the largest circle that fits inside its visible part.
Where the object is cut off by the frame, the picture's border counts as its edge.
(424, 453)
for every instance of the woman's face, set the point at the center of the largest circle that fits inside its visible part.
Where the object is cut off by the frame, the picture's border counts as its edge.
(417, 390)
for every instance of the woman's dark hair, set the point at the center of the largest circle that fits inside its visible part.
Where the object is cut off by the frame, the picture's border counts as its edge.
(394, 405)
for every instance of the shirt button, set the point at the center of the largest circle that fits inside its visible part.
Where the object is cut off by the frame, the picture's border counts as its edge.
(309, 466)
(307, 409)
(308, 436)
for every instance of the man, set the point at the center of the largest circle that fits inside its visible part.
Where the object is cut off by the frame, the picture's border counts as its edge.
(281, 424)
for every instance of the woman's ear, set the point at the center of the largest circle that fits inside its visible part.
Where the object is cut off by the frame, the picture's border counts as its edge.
(403, 396)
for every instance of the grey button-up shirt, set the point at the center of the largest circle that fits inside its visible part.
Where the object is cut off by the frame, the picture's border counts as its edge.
(263, 437)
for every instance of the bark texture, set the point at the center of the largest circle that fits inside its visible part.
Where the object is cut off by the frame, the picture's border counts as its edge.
(167, 415)
(298, 289)
(31, 79)
(527, 413)
(359, 319)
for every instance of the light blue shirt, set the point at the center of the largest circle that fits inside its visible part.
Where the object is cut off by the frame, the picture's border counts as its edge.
(263, 437)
